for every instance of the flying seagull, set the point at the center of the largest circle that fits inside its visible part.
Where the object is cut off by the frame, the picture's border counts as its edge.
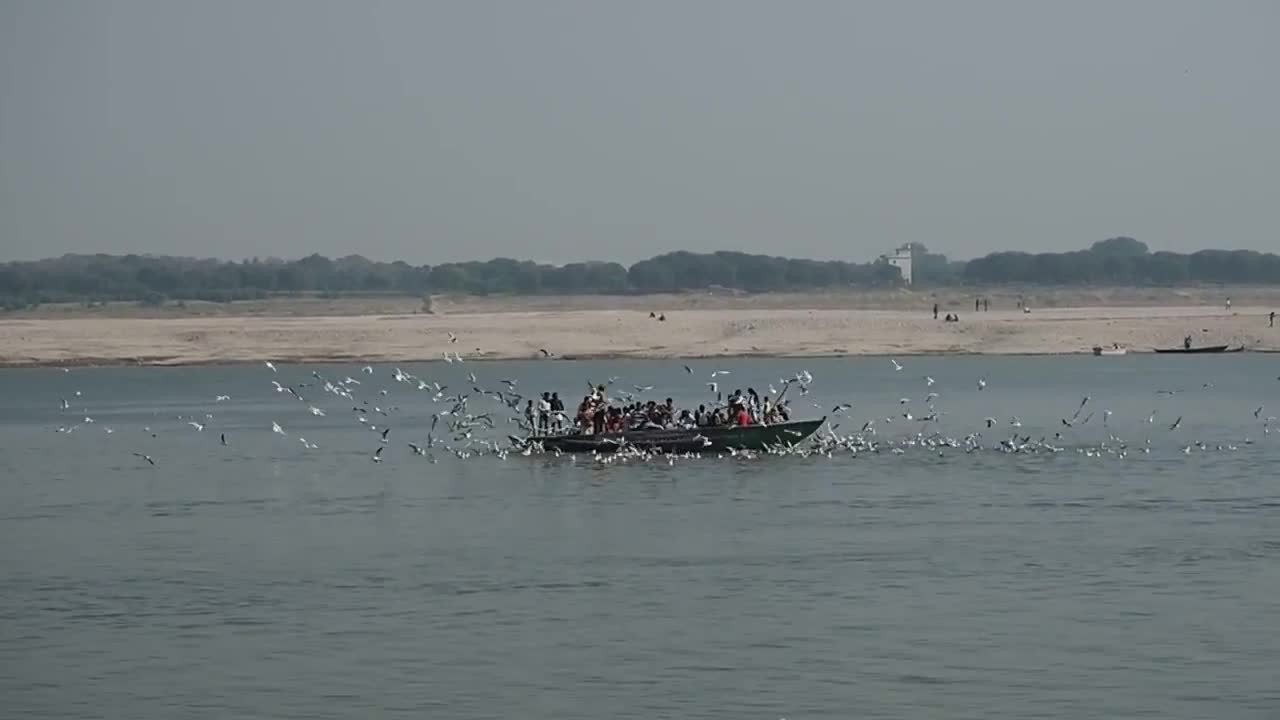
(275, 428)
(270, 367)
(377, 455)
(145, 457)
(897, 367)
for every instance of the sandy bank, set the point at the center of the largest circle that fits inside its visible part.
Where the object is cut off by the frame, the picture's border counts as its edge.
(616, 333)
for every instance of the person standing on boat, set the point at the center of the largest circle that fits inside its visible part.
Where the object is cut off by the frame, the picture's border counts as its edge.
(743, 417)
(557, 412)
(530, 417)
(544, 413)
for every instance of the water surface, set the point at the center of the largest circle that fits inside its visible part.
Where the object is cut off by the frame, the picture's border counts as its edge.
(267, 579)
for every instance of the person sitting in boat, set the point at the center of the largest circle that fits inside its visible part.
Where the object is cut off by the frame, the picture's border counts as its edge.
(616, 422)
(781, 412)
(735, 398)
(668, 410)
(583, 420)
(743, 416)
(686, 421)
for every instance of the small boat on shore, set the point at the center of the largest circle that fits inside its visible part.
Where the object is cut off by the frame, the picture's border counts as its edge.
(1114, 350)
(1201, 349)
(702, 439)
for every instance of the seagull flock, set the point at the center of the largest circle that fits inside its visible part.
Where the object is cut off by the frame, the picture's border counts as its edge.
(470, 431)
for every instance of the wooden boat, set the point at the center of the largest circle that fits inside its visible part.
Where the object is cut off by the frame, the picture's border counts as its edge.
(1201, 349)
(1099, 350)
(703, 439)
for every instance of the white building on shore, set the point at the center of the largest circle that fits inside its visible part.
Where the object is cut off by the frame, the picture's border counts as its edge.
(901, 259)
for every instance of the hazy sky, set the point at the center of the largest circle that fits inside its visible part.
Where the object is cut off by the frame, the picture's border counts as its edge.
(558, 131)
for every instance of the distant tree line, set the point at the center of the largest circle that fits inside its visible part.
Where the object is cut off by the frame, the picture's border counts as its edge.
(1125, 261)
(157, 279)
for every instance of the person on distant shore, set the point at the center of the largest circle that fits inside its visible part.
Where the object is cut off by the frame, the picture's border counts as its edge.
(935, 311)
(986, 304)
(977, 304)
(1228, 303)
(1273, 319)
(1186, 343)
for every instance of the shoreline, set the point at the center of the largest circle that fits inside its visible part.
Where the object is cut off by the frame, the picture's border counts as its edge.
(604, 333)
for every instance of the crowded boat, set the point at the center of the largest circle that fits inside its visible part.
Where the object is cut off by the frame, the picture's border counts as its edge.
(598, 414)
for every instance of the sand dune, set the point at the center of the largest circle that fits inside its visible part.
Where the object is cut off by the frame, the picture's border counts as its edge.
(618, 332)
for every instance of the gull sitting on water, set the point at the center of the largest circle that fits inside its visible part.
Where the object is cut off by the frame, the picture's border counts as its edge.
(220, 398)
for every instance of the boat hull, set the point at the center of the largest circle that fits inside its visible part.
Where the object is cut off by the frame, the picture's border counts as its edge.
(1197, 350)
(704, 439)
